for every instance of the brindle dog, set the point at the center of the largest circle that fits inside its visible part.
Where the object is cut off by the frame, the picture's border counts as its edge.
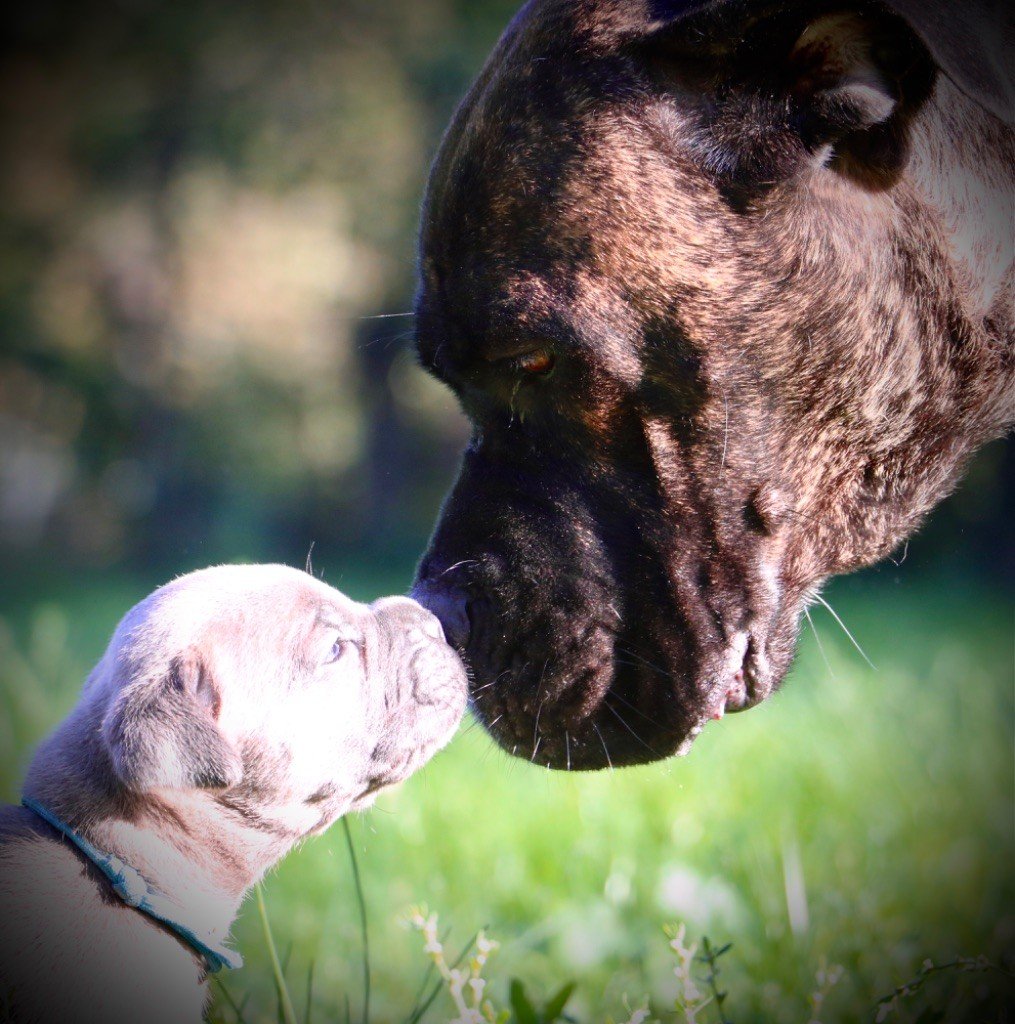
(728, 296)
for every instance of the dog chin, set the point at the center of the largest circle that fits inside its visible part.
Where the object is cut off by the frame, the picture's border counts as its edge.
(591, 724)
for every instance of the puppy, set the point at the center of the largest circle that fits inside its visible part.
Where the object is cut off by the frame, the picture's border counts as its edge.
(236, 711)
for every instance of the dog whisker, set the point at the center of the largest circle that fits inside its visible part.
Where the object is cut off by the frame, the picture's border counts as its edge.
(614, 711)
(458, 565)
(641, 664)
(493, 682)
(902, 557)
(634, 708)
(535, 730)
(644, 661)
(605, 748)
(852, 639)
(472, 725)
(817, 639)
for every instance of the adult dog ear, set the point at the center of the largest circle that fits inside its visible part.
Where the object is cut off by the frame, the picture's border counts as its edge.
(163, 732)
(776, 88)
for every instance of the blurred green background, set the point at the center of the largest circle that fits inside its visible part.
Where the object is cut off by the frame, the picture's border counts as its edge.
(206, 257)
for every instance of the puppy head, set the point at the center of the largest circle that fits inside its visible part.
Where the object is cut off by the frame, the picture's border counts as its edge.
(289, 699)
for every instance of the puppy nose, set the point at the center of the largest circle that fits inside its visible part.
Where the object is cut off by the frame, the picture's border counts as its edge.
(432, 628)
(449, 605)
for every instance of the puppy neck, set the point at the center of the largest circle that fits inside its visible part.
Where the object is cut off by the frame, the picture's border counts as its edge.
(187, 845)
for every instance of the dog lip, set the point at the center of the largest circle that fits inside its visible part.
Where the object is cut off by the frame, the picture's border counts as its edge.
(737, 697)
(749, 684)
(752, 682)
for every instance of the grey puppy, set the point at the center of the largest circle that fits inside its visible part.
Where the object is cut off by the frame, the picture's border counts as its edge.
(236, 711)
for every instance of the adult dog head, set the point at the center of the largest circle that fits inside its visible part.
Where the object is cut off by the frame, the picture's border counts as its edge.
(726, 291)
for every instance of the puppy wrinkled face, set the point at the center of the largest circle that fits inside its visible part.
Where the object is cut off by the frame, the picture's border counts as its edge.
(293, 701)
(698, 355)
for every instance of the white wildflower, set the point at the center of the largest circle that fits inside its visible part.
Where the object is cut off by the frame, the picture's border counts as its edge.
(690, 999)
(465, 986)
(886, 1009)
(826, 978)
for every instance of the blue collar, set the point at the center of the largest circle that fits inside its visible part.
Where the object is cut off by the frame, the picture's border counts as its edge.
(130, 885)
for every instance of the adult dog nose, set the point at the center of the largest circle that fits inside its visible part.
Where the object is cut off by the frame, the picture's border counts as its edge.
(449, 605)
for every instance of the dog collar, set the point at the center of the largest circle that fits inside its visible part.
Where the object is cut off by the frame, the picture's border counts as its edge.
(131, 886)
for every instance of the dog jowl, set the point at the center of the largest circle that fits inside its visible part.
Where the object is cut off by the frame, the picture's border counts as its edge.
(728, 300)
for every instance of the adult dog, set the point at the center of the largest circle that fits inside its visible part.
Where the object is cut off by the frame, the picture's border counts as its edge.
(727, 291)
(237, 711)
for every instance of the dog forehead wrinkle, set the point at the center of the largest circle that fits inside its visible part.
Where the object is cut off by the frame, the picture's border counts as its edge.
(221, 598)
(330, 617)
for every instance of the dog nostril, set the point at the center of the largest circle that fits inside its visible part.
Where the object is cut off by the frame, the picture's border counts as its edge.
(448, 604)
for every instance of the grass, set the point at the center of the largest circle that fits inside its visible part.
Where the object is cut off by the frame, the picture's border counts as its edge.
(862, 817)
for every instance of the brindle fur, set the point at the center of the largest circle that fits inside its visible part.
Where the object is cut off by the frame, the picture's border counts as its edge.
(782, 322)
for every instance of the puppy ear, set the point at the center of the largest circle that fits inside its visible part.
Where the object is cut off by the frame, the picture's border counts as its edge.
(785, 89)
(163, 732)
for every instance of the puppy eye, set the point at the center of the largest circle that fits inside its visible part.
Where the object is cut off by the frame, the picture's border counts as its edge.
(537, 363)
(340, 649)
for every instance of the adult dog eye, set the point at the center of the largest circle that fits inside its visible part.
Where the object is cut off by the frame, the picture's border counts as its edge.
(537, 363)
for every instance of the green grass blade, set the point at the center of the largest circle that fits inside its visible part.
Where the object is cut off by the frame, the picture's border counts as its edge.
(233, 1005)
(308, 1008)
(361, 900)
(285, 1002)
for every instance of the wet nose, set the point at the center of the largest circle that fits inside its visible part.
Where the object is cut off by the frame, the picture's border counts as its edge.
(449, 605)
